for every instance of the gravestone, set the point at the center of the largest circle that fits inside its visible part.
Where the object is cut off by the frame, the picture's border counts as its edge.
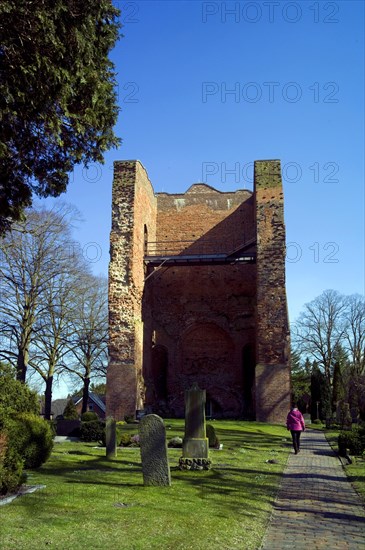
(111, 438)
(152, 440)
(195, 444)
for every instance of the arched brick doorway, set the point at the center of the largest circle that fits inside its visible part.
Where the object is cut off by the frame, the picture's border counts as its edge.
(208, 357)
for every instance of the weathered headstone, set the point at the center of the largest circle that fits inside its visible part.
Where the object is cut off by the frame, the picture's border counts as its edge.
(195, 444)
(152, 439)
(111, 438)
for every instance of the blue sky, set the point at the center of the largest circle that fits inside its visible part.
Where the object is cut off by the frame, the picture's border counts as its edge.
(206, 88)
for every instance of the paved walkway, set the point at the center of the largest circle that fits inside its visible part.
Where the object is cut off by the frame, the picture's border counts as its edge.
(317, 506)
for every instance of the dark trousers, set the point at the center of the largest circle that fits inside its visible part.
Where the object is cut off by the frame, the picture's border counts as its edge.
(296, 439)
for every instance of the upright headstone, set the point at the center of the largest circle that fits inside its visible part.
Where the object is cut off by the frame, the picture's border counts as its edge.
(152, 440)
(195, 444)
(111, 437)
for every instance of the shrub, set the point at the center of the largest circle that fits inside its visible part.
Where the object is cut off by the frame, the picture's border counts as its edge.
(39, 442)
(335, 426)
(125, 440)
(175, 442)
(353, 440)
(32, 438)
(120, 428)
(14, 395)
(70, 411)
(17, 431)
(344, 416)
(89, 416)
(212, 436)
(119, 431)
(92, 430)
(53, 427)
(11, 466)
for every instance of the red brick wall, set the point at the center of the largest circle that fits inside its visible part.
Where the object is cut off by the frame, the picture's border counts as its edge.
(273, 341)
(180, 325)
(202, 316)
(205, 214)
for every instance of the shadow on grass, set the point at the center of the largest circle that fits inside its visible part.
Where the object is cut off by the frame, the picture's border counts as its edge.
(225, 489)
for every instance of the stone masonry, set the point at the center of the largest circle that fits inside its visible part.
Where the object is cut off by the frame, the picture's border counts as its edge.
(190, 316)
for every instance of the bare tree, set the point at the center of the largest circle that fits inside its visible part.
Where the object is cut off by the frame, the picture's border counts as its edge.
(354, 332)
(89, 334)
(53, 331)
(320, 329)
(33, 255)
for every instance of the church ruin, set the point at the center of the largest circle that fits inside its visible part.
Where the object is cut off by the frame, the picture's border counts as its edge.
(197, 294)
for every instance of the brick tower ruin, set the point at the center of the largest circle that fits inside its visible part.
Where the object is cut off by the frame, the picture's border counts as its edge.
(197, 294)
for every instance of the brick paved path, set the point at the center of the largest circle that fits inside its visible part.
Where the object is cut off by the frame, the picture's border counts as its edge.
(317, 506)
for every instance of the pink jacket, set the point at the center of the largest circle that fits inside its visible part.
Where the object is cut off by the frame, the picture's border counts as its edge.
(295, 420)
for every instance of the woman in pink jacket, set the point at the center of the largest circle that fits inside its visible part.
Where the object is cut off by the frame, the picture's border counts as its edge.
(295, 423)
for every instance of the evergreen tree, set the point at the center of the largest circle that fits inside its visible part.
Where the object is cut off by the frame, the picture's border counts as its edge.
(316, 376)
(57, 95)
(300, 378)
(341, 370)
(70, 412)
(320, 394)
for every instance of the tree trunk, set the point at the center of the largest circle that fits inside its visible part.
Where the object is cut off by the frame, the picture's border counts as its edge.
(21, 367)
(85, 395)
(48, 398)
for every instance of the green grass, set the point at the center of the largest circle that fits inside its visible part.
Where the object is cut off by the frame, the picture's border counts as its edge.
(355, 471)
(90, 502)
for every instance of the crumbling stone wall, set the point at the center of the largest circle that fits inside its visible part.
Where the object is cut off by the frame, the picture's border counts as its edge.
(210, 324)
(272, 327)
(133, 209)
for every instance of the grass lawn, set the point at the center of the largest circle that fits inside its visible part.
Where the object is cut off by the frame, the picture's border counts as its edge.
(354, 471)
(90, 502)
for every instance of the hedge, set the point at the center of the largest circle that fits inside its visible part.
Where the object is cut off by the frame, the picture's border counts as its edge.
(92, 430)
(26, 442)
(353, 440)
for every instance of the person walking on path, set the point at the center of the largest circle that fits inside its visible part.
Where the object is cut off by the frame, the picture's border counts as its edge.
(316, 507)
(295, 423)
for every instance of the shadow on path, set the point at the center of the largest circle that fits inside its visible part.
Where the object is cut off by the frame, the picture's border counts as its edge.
(316, 506)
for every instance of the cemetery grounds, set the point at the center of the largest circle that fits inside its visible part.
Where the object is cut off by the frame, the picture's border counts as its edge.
(91, 502)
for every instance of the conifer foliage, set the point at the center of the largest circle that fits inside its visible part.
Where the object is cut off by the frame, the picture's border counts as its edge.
(58, 100)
